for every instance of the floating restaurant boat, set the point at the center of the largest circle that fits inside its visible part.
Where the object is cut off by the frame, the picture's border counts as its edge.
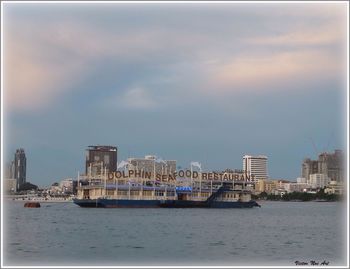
(113, 192)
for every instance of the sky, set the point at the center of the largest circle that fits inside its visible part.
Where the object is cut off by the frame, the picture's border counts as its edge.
(186, 82)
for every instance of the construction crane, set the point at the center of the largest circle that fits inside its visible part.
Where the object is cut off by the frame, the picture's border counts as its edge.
(325, 149)
(314, 146)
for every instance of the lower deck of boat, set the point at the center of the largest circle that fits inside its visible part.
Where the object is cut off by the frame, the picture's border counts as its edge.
(124, 203)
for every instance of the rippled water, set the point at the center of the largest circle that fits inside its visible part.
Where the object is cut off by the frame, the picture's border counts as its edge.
(277, 233)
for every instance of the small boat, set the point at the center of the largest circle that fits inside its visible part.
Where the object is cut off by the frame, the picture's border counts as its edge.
(32, 204)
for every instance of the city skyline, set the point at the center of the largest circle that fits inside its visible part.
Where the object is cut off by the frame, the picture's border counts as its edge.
(251, 173)
(208, 83)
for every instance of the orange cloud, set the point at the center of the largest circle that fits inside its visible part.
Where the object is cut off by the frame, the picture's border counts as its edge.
(255, 71)
(42, 61)
(32, 78)
(324, 34)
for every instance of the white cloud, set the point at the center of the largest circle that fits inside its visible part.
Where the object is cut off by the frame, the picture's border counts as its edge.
(136, 98)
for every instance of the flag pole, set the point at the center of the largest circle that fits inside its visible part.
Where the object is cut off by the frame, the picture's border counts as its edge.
(105, 176)
(191, 181)
(200, 181)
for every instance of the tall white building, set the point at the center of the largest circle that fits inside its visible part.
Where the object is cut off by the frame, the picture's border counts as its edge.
(318, 180)
(255, 165)
(301, 180)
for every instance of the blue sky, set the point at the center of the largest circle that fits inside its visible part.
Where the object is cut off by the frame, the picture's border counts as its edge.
(190, 82)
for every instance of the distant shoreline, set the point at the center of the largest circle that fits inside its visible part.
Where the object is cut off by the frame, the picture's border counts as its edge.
(318, 201)
(39, 200)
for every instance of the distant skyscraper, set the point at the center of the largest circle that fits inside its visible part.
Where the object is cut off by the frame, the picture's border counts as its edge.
(255, 165)
(151, 164)
(101, 156)
(329, 164)
(20, 167)
(10, 170)
(308, 168)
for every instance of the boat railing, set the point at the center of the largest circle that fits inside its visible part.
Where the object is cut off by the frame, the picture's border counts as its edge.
(197, 198)
(134, 197)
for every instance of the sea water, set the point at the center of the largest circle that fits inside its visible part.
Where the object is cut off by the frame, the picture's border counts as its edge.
(278, 233)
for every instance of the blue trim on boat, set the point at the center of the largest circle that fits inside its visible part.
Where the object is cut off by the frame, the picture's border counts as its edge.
(123, 203)
(116, 203)
(87, 202)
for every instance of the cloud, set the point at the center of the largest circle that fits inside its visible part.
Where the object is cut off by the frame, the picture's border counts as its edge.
(256, 71)
(327, 33)
(44, 59)
(42, 62)
(35, 74)
(136, 98)
(301, 53)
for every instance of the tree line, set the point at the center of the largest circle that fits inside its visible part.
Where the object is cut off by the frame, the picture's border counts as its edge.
(299, 196)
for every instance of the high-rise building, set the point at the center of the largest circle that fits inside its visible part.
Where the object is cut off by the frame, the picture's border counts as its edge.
(151, 164)
(329, 164)
(301, 180)
(308, 168)
(318, 181)
(20, 167)
(100, 157)
(10, 170)
(255, 166)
